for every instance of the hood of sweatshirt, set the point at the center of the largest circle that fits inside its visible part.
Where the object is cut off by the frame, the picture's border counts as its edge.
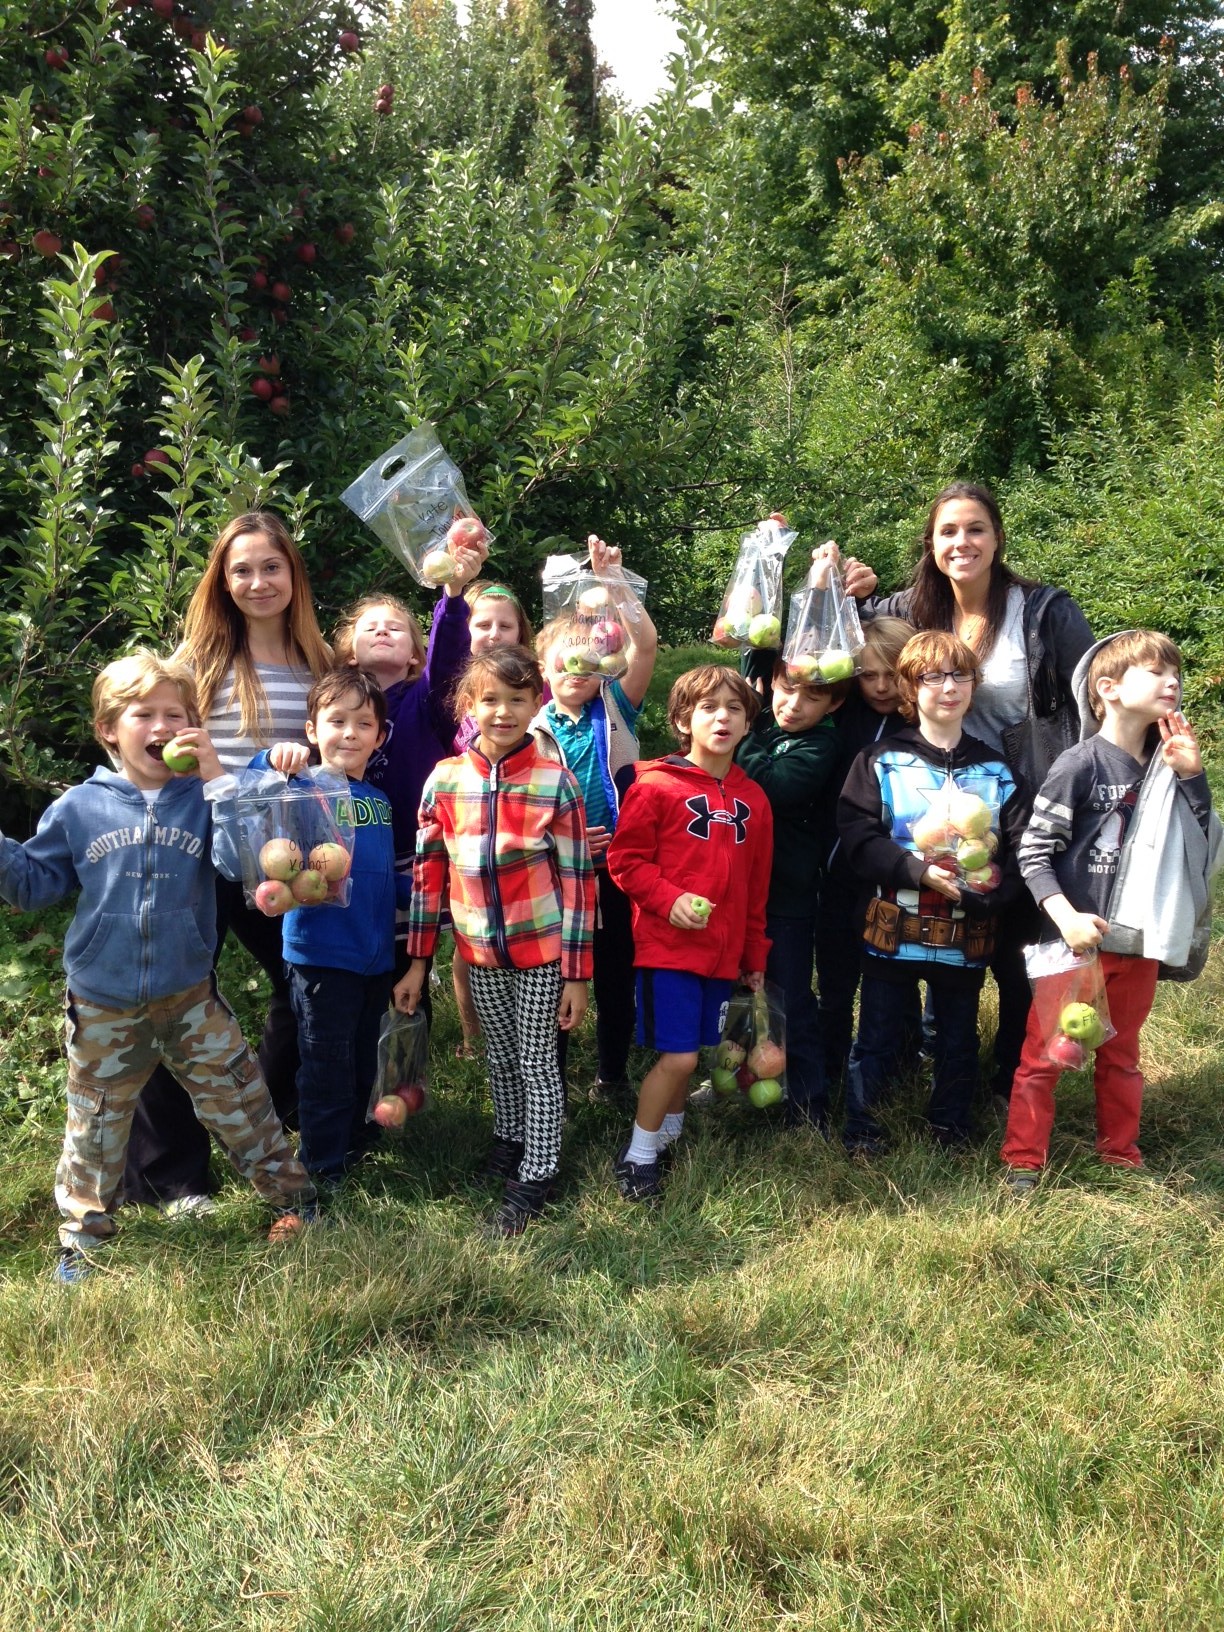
(1089, 724)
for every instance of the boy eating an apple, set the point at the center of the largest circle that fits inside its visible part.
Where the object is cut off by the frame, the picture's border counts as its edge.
(340, 961)
(791, 752)
(693, 851)
(1118, 855)
(135, 841)
(590, 725)
(930, 819)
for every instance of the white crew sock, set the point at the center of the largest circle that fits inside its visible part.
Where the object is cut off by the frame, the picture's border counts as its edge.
(643, 1147)
(673, 1127)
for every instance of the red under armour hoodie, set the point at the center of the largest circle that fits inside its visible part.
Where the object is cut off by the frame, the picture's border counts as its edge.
(684, 832)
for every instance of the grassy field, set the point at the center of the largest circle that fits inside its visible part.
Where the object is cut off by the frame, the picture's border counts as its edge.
(802, 1394)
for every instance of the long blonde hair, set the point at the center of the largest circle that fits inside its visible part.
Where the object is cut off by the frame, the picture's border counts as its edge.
(215, 637)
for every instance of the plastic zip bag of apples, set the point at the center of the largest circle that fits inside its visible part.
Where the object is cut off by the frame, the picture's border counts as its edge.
(294, 836)
(600, 612)
(752, 1053)
(413, 499)
(1069, 1001)
(824, 638)
(959, 831)
(751, 610)
(400, 1086)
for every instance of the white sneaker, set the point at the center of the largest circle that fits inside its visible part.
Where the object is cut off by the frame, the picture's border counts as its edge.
(189, 1207)
(705, 1095)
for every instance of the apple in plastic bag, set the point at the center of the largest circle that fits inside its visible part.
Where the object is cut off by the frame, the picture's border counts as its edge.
(930, 833)
(764, 1092)
(836, 665)
(764, 630)
(768, 1059)
(412, 1095)
(614, 665)
(332, 860)
(730, 1056)
(438, 567)
(273, 897)
(608, 635)
(1066, 1053)
(969, 816)
(984, 879)
(972, 855)
(805, 668)
(309, 888)
(722, 1080)
(391, 1112)
(580, 662)
(1082, 1022)
(466, 533)
(280, 858)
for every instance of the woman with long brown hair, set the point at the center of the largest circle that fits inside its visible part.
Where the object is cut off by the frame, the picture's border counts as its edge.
(253, 642)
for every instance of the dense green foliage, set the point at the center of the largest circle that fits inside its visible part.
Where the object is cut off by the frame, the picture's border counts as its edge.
(900, 245)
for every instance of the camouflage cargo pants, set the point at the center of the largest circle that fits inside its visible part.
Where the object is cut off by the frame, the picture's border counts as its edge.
(111, 1055)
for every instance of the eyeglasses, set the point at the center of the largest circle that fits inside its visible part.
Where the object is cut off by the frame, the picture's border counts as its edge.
(936, 677)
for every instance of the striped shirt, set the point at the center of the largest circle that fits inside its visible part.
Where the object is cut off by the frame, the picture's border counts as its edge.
(284, 720)
(505, 846)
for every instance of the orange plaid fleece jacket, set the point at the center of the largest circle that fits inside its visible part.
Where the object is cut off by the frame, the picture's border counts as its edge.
(504, 845)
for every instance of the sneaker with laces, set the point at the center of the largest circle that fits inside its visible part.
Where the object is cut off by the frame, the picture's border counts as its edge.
(503, 1160)
(604, 1092)
(636, 1181)
(1021, 1181)
(522, 1201)
(189, 1207)
(286, 1225)
(73, 1266)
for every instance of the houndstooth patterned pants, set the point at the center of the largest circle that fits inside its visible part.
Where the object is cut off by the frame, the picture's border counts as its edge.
(111, 1055)
(518, 1011)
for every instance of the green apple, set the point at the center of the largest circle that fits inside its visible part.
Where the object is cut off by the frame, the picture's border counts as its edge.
(768, 1091)
(971, 817)
(700, 907)
(764, 630)
(730, 1056)
(972, 854)
(836, 665)
(177, 757)
(1082, 1022)
(722, 1080)
(805, 668)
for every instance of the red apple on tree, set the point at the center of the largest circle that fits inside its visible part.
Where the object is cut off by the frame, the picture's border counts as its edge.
(349, 41)
(306, 253)
(146, 216)
(345, 232)
(253, 115)
(47, 243)
(155, 456)
(55, 57)
(282, 292)
(262, 388)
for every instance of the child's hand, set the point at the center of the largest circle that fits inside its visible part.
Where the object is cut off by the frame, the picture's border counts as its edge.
(859, 579)
(1179, 745)
(942, 881)
(683, 916)
(1081, 930)
(407, 992)
(754, 979)
(598, 838)
(605, 558)
(200, 743)
(288, 757)
(573, 1005)
(469, 558)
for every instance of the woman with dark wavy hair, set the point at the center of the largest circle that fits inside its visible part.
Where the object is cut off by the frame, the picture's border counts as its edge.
(1029, 637)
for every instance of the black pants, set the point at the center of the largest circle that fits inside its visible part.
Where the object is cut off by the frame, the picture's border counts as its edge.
(168, 1153)
(615, 984)
(1019, 926)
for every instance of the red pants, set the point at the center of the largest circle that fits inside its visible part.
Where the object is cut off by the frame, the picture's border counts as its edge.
(1130, 986)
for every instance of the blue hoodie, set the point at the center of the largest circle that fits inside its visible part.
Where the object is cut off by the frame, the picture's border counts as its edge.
(146, 921)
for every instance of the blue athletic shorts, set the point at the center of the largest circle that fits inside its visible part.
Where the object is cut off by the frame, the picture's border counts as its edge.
(677, 1012)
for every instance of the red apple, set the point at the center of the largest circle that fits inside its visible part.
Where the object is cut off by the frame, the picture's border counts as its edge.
(345, 232)
(306, 253)
(413, 1096)
(465, 533)
(273, 898)
(269, 364)
(155, 456)
(280, 858)
(391, 1112)
(183, 26)
(332, 860)
(744, 1078)
(262, 388)
(10, 249)
(767, 1059)
(253, 115)
(199, 39)
(46, 243)
(259, 280)
(163, 9)
(138, 469)
(55, 58)
(104, 312)
(349, 41)
(1065, 1052)
(309, 888)
(279, 405)
(146, 216)
(282, 292)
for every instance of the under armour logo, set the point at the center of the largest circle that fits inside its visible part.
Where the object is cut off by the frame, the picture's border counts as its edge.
(704, 818)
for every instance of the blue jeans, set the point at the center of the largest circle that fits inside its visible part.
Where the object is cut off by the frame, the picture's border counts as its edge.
(880, 1049)
(790, 965)
(339, 1015)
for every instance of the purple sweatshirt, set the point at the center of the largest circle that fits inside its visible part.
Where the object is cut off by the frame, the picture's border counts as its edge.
(420, 724)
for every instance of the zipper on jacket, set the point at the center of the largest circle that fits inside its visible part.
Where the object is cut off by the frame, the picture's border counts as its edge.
(146, 945)
(499, 921)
